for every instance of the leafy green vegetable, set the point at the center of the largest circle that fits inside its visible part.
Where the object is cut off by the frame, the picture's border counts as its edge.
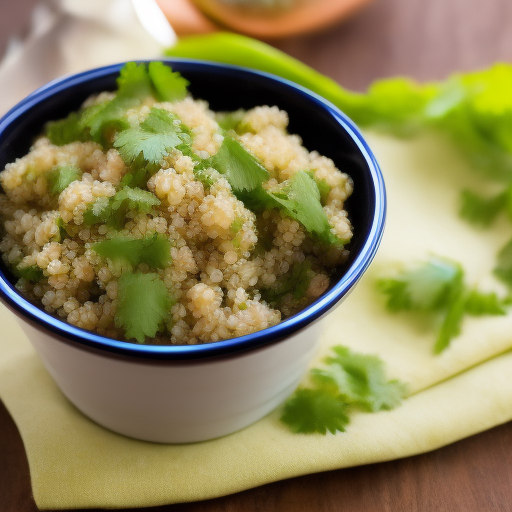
(113, 210)
(299, 198)
(362, 379)
(295, 281)
(481, 211)
(64, 131)
(143, 305)
(32, 273)
(230, 120)
(323, 187)
(349, 380)
(243, 172)
(479, 304)
(153, 250)
(424, 287)
(315, 410)
(60, 177)
(437, 286)
(454, 313)
(100, 122)
(148, 144)
(169, 86)
(503, 268)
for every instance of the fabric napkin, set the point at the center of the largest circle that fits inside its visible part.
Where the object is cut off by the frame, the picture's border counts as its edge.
(75, 463)
(467, 389)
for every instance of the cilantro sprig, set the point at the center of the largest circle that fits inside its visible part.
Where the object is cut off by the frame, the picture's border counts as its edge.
(112, 210)
(153, 250)
(143, 305)
(60, 177)
(100, 122)
(436, 287)
(348, 382)
(144, 147)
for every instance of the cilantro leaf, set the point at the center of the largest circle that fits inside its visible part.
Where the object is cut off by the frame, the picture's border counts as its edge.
(350, 380)
(451, 325)
(315, 410)
(422, 288)
(437, 286)
(242, 170)
(133, 81)
(153, 250)
(64, 131)
(295, 282)
(479, 304)
(60, 177)
(300, 199)
(149, 143)
(481, 211)
(169, 86)
(362, 379)
(143, 305)
(113, 210)
(230, 120)
(503, 268)
(32, 273)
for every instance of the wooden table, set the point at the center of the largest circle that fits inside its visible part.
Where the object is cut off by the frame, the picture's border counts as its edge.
(425, 39)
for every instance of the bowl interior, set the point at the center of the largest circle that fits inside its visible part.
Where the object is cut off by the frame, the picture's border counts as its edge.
(320, 127)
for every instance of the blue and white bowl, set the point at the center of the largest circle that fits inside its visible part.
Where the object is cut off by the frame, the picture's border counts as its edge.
(180, 394)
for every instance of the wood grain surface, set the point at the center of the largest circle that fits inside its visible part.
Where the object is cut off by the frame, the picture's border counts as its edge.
(425, 39)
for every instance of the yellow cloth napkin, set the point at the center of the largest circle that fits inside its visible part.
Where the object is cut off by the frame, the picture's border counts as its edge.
(467, 389)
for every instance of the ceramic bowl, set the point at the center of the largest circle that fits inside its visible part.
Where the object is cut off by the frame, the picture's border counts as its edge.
(179, 394)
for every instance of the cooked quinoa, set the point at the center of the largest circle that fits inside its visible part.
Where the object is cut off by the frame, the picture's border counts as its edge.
(231, 263)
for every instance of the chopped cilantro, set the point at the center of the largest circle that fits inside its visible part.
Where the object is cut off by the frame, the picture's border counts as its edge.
(315, 410)
(64, 131)
(153, 250)
(479, 304)
(143, 304)
(169, 86)
(230, 120)
(60, 177)
(349, 380)
(100, 122)
(113, 210)
(62, 229)
(362, 379)
(324, 188)
(133, 81)
(148, 144)
(236, 225)
(503, 268)
(242, 170)
(479, 210)
(437, 286)
(295, 281)
(299, 198)
(32, 273)
(423, 287)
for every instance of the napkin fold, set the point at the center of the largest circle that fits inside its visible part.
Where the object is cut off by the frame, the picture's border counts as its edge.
(75, 463)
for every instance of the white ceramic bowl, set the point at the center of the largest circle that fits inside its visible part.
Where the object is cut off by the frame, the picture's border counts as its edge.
(180, 394)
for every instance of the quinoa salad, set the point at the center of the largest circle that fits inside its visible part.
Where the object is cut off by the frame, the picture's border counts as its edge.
(147, 217)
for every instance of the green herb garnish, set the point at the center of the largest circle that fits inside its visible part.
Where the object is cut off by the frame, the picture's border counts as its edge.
(60, 177)
(437, 287)
(112, 211)
(143, 304)
(349, 381)
(153, 250)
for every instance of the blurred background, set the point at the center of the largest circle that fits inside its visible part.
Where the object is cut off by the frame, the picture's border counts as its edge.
(352, 41)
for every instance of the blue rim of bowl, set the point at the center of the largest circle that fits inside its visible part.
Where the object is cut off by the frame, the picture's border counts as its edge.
(314, 311)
